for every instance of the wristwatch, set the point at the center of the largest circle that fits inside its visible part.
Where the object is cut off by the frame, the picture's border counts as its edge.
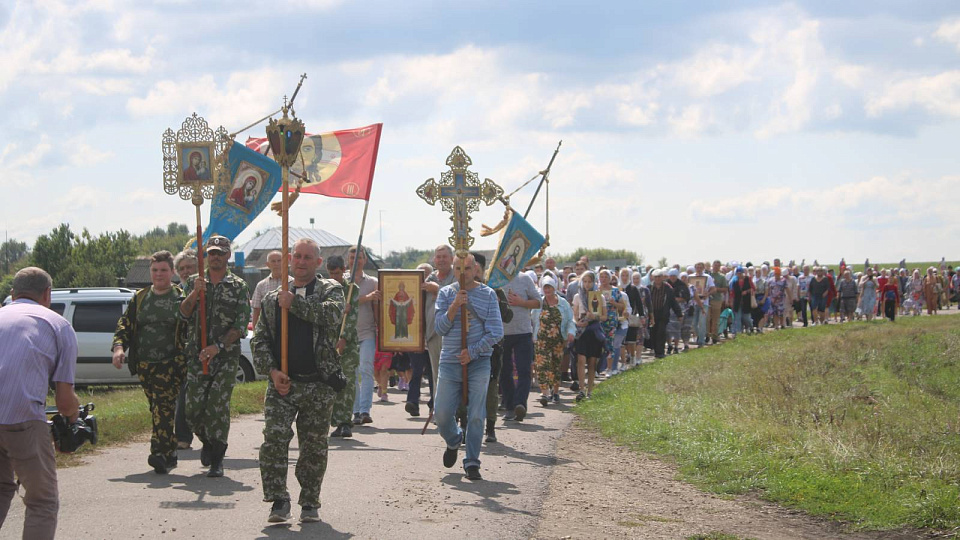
(221, 346)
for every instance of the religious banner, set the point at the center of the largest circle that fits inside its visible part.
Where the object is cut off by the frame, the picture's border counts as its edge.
(253, 181)
(519, 242)
(401, 311)
(336, 164)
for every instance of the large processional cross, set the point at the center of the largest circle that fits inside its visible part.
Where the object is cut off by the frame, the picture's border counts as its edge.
(460, 192)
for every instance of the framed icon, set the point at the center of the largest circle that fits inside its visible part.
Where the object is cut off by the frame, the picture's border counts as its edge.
(402, 314)
(596, 303)
(699, 284)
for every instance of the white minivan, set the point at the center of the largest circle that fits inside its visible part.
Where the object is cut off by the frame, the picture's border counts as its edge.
(93, 312)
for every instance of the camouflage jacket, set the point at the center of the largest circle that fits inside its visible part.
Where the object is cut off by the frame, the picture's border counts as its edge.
(126, 333)
(323, 309)
(227, 305)
(350, 330)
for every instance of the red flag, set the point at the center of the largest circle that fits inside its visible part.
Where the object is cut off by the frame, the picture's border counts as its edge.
(335, 164)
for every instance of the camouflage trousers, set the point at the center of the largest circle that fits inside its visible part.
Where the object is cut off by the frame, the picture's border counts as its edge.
(310, 406)
(161, 383)
(207, 398)
(343, 405)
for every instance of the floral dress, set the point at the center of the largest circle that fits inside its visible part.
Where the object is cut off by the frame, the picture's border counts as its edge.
(549, 346)
(610, 325)
(914, 295)
(776, 292)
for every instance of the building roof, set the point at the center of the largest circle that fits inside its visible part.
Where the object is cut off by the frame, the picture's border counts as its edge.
(270, 239)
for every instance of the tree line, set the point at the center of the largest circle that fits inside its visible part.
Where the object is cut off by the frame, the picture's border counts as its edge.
(83, 260)
(411, 257)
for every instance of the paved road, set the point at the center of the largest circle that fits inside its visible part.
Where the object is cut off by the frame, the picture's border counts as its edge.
(388, 481)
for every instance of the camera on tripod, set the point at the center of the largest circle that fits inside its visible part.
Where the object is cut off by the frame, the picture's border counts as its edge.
(68, 437)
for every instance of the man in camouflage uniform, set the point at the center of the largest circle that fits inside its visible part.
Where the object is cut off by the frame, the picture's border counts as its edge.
(305, 394)
(227, 313)
(148, 332)
(348, 347)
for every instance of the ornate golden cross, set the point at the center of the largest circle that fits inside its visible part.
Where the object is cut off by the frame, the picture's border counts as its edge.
(460, 192)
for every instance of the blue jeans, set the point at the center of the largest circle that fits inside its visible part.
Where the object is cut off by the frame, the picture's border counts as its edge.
(419, 363)
(448, 399)
(618, 336)
(517, 349)
(742, 320)
(365, 380)
(700, 324)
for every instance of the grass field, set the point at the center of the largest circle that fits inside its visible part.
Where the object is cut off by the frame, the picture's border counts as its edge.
(855, 422)
(857, 266)
(123, 415)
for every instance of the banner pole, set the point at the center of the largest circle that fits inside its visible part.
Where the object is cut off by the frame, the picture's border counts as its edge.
(284, 271)
(202, 293)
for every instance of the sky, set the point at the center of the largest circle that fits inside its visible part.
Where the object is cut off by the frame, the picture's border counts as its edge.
(691, 130)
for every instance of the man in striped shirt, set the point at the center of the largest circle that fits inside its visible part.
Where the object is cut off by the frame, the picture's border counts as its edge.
(484, 330)
(39, 347)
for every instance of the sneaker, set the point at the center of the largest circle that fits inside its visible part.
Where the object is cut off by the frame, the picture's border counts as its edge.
(309, 514)
(473, 473)
(556, 398)
(520, 411)
(347, 431)
(356, 419)
(450, 454)
(279, 512)
(183, 445)
(158, 463)
(509, 417)
(491, 431)
(338, 432)
(544, 400)
(392, 382)
(365, 418)
(412, 409)
(581, 396)
(384, 398)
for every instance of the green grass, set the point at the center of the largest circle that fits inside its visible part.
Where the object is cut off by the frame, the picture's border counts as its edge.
(856, 422)
(123, 415)
(857, 266)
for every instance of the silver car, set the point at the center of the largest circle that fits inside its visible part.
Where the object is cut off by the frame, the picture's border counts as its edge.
(93, 313)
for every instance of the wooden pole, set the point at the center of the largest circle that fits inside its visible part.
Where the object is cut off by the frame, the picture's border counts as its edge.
(284, 270)
(353, 269)
(202, 293)
(465, 388)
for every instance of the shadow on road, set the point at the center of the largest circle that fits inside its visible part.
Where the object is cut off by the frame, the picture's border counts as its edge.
(488, 492)
(198, 484)
(539, 460)
(311, 530)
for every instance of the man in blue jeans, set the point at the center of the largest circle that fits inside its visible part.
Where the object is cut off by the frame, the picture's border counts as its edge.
(484, 329)
(522, 296)
(366, 335)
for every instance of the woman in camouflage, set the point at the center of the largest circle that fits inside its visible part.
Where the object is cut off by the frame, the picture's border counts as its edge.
(556, 331)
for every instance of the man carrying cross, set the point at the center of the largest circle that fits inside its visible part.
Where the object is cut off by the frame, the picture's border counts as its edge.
(484, 329)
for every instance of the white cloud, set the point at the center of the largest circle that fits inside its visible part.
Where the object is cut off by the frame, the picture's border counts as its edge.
(949, 31)
(716, 69)
(691, 121)
(240, 100)
(937, 94)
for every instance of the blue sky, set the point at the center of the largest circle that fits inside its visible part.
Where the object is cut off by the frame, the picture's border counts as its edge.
(691, 130)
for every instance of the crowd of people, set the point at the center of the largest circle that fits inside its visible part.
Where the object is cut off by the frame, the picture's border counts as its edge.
(547, 329)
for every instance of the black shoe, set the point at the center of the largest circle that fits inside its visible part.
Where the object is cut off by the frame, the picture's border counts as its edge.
(491, 431)
(450, 454)
(544, 400)
(392, 382)
(347, 431)
(338, 432)
(575, 387)
(205, 455)
(356, 419)
(565, 377)
(509, 417)
(473, 473)
(279, 512)
(556, 398)
(520, 411)
(217, 451)
(412, 409)
(580, 397)
(158, 463)
(365, 418)
(171, 462)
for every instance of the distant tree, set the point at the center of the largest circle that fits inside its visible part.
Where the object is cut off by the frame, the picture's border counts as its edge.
(600, 254)
(52, 252)
(662, 262)
(172, 239)
(408, 258)
(11, 251)
(84, 260)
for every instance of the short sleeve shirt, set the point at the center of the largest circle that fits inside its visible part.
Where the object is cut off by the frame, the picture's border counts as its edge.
(266, 285)
(366, 322)
(156, 327)
(720, 282)
(526, 289)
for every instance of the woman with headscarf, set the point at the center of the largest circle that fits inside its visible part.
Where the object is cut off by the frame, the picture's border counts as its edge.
(590, 338)
(914, 293)
(555, 331)
(741, 287)
(930, 295)
(890, 298)
(632, 280)
(777, 293)
(868, 295)
(616, 304)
